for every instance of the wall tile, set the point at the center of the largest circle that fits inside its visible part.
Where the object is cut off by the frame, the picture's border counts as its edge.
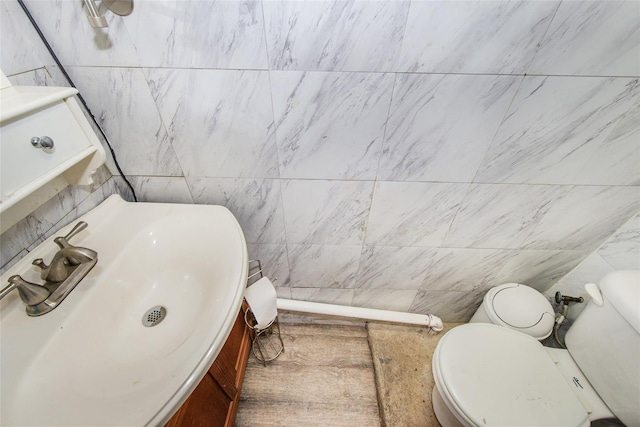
(274, 261)
(283, 292)
(19, 237)
(440, 126)
(583, 218)
(539, 269)
(86, 204)
(130, 119)
(199, 34)
(10, 262)
(616, 161)
(57, 78)
(330, 125)
(499, 215)
(591, 270)
(120, 187)
(256, 204)
(457, 269)
(449, 306)
(540, 216)
(323, 266)
(413, 213)
(37, 77)
(161, 189)
(334, 35)
(220, 121)
(591, 38)
(394, 267)
(622, 250)
(490, 37)
(323, 295)
(554, 126)
(22, 50)
(326, 212)
(84, 46)
(384, 299)
(111, 187)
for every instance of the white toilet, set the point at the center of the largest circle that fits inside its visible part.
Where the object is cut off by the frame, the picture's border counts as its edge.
(518, 307)
(489, 375)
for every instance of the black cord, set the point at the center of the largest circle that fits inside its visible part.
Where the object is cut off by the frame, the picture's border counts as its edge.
(55, 58)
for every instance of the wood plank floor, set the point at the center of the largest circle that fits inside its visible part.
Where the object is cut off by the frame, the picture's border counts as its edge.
(324, 378)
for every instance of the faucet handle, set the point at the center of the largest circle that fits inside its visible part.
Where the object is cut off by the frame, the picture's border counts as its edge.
(30, 293)
(44, 268)
(63, 242)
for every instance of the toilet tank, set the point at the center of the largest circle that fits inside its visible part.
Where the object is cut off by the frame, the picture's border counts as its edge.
(605, 343)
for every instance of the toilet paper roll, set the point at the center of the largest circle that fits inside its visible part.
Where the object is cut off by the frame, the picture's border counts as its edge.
(261, 297)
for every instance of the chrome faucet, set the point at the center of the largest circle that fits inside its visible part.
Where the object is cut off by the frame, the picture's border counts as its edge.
(66, 258)
(63, 263)
(67, 268)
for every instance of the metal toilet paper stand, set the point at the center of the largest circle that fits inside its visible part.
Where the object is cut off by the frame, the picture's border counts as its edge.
(267, 342)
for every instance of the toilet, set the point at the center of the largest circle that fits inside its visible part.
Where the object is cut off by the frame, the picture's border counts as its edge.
(518, 307)
(489, 375)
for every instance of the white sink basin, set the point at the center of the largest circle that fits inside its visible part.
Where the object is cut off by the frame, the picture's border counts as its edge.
(91, 361)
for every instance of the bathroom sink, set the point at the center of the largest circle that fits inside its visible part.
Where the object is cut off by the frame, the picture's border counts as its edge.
(92, 361)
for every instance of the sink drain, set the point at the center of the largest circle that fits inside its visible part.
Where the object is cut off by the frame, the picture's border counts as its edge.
(153, 316)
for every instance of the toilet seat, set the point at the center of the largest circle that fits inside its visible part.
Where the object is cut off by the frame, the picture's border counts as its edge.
(489, 375)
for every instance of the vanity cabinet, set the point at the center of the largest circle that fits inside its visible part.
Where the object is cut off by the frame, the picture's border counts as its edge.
(215, 400)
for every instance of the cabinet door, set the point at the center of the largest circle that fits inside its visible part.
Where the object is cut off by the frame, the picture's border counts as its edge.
(215, 401)
(208, 406)
(231, 362)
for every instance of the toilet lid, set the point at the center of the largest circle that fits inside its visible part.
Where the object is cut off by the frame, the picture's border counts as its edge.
(489, 375)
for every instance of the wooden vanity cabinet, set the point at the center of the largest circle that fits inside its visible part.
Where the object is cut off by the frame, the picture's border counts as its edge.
(215, 400)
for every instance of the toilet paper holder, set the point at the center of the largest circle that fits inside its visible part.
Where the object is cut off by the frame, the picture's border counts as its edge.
(267, 342)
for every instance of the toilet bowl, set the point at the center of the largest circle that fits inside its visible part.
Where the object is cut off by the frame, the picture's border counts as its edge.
(518, 307)
(489, 375)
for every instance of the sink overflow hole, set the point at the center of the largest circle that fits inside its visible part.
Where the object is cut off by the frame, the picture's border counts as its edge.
(154, 315)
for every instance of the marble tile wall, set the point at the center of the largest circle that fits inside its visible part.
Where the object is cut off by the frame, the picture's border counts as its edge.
(402, 155)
